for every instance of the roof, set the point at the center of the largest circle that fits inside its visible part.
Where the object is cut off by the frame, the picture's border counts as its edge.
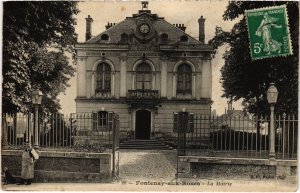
(129, 26)
(234, 118)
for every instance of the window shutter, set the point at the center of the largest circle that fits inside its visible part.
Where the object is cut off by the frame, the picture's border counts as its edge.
(191, 123)
(94, 120)
(175, 122)
(110, 120)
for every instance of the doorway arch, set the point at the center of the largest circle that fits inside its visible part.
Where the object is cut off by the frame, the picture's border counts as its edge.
(142, 124)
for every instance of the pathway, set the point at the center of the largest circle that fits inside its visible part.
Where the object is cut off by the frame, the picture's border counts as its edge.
(147, 165)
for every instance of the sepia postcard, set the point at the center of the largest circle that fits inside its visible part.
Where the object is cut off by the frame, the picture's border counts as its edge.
(168, 96)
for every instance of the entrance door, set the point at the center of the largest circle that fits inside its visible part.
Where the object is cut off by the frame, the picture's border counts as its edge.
(142, 124)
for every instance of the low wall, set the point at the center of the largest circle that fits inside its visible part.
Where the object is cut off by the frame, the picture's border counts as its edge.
(237, 168)
(63, 166)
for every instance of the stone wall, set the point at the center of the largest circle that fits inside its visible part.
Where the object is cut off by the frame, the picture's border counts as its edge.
(64, 166)
(237, 168)
(225, 171)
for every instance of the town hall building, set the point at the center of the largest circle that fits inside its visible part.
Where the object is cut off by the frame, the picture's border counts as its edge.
(143, 69)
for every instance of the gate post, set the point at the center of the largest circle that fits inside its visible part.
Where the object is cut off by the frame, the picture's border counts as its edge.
(181, 121)
(4, 138)
(183, 125)
(115, 145)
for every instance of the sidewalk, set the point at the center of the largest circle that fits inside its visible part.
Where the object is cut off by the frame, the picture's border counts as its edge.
(203, 185)
(151, 170)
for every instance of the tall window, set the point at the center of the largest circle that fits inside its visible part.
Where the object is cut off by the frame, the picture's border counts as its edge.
(103, 78)
(143, 76)
(184, 79)
(100, 121)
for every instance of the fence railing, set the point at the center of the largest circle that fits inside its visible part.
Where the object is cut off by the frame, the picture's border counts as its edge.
(235, 135)
(286, 140)
(80, 132)
(227, 135)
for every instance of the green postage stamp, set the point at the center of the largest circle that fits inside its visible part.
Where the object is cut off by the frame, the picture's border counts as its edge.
(268, 32)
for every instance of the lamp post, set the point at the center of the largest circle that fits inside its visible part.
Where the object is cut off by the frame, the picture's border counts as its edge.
(272, 95)
(36, 101)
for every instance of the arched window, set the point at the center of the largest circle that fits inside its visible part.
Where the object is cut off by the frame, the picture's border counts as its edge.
(143, 77)
(103, 78)
(184, 79)
(104, 37)
(100, 120)
(184, 38)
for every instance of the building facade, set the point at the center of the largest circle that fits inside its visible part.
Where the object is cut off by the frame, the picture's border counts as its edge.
(143, 69)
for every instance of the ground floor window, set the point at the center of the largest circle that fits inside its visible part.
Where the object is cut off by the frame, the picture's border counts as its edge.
(100, 120)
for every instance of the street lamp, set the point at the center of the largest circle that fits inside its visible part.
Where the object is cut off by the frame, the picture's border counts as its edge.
(272, 95)
(36, 98)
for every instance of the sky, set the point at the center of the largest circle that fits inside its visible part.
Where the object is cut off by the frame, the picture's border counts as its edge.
(174, 11)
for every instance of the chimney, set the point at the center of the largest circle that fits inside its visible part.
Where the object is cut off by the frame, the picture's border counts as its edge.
(180, 26)
(201, 22)
(109, 25)
(88, 33)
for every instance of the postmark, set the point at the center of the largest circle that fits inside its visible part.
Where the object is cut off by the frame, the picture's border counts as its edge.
(268, 31)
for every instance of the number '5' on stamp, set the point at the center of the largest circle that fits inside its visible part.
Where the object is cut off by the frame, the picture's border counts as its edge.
(268, 31)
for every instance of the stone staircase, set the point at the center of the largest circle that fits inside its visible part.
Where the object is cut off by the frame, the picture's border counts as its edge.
(144, 144)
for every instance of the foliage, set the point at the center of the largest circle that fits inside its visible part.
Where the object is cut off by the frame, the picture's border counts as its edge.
(36, 37)
(56, 131)
(249, 80)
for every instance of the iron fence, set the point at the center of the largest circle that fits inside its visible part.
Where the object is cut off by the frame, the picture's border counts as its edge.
(226, 135)
(235, 135)
(286, 140)
(79, 132)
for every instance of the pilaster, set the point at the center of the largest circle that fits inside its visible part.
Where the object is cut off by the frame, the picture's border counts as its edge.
(81, 76)
(163, 79)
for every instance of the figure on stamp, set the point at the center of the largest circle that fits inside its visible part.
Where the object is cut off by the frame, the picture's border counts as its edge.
(264, 30)
(29, 157)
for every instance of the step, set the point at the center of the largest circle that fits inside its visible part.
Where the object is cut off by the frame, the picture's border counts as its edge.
(143, 144)
(140, 143)
(140, 147)
(154, 146)
(148, 140)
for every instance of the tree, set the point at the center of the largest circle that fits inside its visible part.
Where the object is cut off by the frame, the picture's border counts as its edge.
(36, 37)
(249, 80)
(54, 69)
